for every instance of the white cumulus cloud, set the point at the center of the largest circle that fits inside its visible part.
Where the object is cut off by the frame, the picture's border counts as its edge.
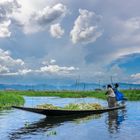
(50, 14)
(9, 64)
(57, 69)
(52, 61)
(4, 29)
(24, 71)
(86, 28)
(7, 8)
(39, 20)
(3, 69)
(51, 67)
(136, 76)
(56, 30)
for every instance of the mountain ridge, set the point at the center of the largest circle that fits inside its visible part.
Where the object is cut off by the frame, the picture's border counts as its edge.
(76, 86)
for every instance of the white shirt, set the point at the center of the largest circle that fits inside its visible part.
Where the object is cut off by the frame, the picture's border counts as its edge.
(110, 92)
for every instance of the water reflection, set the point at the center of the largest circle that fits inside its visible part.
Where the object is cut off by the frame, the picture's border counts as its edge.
(46, 124)
(115, 119)
(5, 112)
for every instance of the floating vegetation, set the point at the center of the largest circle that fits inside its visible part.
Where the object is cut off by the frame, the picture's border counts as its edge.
(52, 133)
(26, 124)
(72, 106)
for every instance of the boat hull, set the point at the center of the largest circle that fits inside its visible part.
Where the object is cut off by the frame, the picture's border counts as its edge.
(49, 112)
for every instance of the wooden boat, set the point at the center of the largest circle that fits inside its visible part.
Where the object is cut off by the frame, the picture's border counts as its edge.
(49, 112)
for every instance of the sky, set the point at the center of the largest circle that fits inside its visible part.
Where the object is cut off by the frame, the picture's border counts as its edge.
(61, 41)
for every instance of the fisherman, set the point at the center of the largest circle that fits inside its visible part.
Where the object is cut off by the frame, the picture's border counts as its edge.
(111, 99)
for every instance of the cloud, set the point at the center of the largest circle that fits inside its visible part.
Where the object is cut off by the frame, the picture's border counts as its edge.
(4, 29)
(126, 58)
(40, 20)
(17, 67)
(128, 31)
(52, 61)
(86, 28)
(7, 60)
(24, 71)
(50, 14)
(57, 69)
(53, 68)
(7, 8)
(3, 69)
(9, 64)
(136, 76)
(20, 72)
(56, 30)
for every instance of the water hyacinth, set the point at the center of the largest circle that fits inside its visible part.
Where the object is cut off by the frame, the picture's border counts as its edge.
(73, 106)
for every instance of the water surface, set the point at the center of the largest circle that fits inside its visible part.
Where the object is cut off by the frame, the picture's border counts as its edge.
(116, 125)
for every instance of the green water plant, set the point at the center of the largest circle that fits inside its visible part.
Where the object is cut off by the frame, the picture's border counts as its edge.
(51, 133)
(133, 95)
(8, 100)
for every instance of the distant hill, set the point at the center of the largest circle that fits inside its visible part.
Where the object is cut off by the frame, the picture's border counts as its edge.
(129, 86)
(80, 86)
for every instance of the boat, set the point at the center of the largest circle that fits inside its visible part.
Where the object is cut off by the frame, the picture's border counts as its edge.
(59, 112)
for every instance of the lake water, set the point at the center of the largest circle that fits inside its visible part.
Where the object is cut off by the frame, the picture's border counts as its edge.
(116, 125)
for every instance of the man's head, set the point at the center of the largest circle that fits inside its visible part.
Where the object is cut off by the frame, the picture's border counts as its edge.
(116, 85)
(109, 86)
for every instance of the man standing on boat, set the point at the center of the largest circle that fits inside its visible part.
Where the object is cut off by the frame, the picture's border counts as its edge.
(111, 99)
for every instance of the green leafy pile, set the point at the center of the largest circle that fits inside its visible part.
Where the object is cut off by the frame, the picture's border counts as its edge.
(47, 106)
(83, 106)
(72, 106)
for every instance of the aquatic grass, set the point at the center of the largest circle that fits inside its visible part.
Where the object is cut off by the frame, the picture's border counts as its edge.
(62, 94)
(9, 99)
(132, 95)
